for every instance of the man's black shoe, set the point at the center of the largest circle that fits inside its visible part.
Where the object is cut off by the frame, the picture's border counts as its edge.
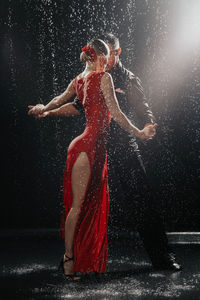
(167, 262)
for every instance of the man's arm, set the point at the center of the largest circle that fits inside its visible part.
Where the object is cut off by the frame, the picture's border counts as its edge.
(78, 106)
(138, 101)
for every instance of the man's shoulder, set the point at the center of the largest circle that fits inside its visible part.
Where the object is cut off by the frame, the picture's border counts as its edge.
(132, 80)
(128, 74)
(121, 68)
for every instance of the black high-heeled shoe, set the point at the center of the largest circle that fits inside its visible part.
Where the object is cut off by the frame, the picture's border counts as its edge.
(61, 267)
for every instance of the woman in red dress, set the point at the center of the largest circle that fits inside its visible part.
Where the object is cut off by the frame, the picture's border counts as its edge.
(85, 184)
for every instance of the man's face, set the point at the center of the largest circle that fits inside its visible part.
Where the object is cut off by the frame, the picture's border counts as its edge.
(113, 58)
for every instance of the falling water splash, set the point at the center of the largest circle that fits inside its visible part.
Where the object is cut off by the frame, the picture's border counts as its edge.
(11, 54)
(131, 13)
(14, 113)
(44, 57)
(42, 44)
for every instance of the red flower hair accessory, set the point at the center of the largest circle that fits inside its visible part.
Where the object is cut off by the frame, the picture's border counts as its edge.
(90, 52)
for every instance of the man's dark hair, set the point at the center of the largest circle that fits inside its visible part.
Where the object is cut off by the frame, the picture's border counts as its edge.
(110, 38)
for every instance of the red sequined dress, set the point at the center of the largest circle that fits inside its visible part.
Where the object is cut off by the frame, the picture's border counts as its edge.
(90, 237)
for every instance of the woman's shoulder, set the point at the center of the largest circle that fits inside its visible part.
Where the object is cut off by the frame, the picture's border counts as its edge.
(106, 77)
(106, 74)
(95, 76)
(79, 76)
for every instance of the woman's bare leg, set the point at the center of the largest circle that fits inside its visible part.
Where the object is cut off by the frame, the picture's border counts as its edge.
(79, 180)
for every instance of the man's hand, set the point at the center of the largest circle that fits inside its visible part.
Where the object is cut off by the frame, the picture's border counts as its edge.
(43, 115)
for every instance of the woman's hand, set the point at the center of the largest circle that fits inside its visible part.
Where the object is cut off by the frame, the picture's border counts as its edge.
(148, 132)
(36, 110)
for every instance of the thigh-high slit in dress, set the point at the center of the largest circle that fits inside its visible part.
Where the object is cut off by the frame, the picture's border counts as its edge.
(90, 236)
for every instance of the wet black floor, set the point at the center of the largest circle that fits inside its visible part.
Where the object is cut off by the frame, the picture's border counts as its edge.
(29, 271)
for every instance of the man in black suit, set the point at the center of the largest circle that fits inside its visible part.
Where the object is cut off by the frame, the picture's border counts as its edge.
(125, 164)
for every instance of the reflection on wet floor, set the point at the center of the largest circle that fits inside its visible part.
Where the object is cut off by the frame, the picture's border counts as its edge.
(29, 271)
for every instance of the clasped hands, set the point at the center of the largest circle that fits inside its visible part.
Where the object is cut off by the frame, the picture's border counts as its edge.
(37, 111)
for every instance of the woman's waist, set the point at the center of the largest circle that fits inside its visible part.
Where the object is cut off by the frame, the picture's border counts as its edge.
(97, 117)
(97, 124)
(89, 137)
(94, 133)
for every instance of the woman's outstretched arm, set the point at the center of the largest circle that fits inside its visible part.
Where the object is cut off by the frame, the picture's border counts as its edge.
(66, 110)
(54, 103)
(107, 88)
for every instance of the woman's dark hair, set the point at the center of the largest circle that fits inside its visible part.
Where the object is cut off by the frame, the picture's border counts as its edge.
(110, 38)
(99, 47)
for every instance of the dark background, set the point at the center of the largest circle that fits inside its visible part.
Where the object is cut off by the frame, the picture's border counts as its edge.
(40, 48)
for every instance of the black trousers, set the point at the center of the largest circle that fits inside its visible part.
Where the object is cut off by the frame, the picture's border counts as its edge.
(133, 201)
